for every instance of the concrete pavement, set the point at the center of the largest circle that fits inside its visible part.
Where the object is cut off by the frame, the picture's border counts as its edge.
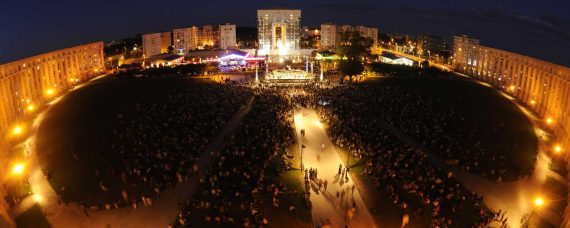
(327, 206)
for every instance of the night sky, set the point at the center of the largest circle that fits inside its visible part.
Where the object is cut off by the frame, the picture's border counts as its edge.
(538, 28)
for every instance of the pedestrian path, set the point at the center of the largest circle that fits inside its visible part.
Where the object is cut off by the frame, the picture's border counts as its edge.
(163, 212)
(340, 203)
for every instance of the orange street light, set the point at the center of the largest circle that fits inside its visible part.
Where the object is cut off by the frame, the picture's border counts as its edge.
(38, 198)
(557, 149)
(549, 120)
(30, 107)
(532, 102)
(539, 201)
(17, 130)
(512, 88)
(50, 92)
(18, 169)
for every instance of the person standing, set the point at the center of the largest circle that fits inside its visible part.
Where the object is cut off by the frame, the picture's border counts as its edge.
(325, 184)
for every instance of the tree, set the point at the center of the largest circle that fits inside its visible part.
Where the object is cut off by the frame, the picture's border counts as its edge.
(352, 50)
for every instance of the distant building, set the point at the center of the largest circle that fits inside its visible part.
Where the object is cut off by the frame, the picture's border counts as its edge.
(182, 39)
(328, 36)
(151, 44)
(228, 36)
(330, 33)
(156, 43)
(207, 40)
(390, 58)
(165, 41)
(433, 45)
(279, 31)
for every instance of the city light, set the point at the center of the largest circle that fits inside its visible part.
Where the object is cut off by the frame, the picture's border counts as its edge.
(38, 198)
(538, 201)
(549, 121)
(17, 130)
(557, 149)
(18, 169)
(50, 92)
(30, 107)
(512, 88)
(532, 102)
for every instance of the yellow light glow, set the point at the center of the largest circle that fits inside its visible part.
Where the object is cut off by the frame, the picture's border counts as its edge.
(532, 102)
(38, 198)
(30, 107)
(50, 92)
(549, 120)
(538, 201)
(512, 88)
(17, 130)
(557, 149)
(18, 169)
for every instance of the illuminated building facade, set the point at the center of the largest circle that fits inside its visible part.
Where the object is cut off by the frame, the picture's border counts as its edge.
(330, 34)
(279, 31)
(543, 86)
(228, 36)
(26, 83)
(156, 43)
(182, 40)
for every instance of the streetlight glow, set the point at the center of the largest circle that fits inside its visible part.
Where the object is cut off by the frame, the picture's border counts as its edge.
(30, 107)
(18, 169)
(557, 149)
(38, 198)
(549, 120)
(17, 130)
(539, 201)
(50, 92)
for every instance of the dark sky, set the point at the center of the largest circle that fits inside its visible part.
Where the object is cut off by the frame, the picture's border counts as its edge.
(538, 28)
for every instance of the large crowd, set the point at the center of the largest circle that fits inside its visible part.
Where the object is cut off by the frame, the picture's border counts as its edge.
(233, 190)
(158, 141)
(357, 117)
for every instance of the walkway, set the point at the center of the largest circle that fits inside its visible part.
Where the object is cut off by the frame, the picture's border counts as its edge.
(163, 212)
(326, 205)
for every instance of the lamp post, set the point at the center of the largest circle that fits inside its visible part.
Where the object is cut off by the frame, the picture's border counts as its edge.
(256, 73)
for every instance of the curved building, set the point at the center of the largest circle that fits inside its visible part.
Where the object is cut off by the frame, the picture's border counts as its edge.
(25, 83)
(543, 86)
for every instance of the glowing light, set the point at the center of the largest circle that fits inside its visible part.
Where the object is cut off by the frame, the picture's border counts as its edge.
(549, 120)
(31, 107)
(38, 198)
(557, 149)
(18, 169)
(512, 88)
(50, 92)
(538, 201)
(532, 102)
(17, 130)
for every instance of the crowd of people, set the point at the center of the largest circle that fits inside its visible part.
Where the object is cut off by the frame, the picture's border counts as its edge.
(357, 119)
(233, 190)
(158, 141)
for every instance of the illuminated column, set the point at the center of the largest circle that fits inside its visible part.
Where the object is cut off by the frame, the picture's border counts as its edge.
(256, 73)
(321, 78)
(307, 64)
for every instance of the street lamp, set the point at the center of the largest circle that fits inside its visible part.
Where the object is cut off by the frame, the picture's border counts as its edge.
(538, 201)
(30, 107)
(17, 130)
(50, 92)
(557, 149)
(18, 169)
